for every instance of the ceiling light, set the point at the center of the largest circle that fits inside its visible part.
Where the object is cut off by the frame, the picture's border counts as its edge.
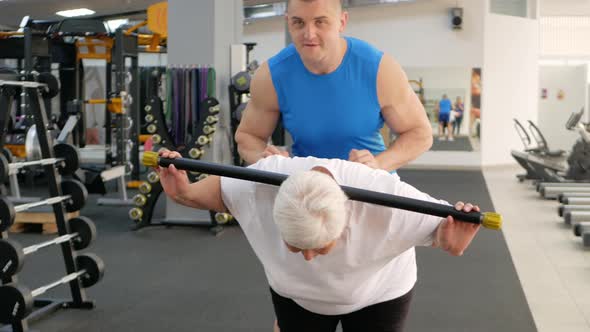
(75, 12)
(114, 24)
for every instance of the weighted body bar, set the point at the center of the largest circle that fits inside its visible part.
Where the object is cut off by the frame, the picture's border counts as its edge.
(12, 255)
(489, 220)
(16, 301)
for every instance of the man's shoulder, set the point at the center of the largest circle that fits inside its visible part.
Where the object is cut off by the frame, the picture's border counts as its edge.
(364, 49)
(286, 54)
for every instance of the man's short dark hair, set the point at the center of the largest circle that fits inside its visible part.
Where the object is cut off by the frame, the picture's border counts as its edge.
(340, 2)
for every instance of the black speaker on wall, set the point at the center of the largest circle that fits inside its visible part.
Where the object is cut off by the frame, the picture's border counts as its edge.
(456, 18)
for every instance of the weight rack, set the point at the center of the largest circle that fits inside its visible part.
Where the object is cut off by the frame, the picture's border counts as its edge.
(46, 306)
(151, 189)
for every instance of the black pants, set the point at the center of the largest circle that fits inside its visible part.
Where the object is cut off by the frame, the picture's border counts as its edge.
(387, 316)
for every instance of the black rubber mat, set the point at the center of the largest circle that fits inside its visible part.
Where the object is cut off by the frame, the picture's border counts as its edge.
(479, 291)
(185, 279)
(460, 143)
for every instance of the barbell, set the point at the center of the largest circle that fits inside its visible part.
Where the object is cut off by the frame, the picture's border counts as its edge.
(66, 159)
(16, 301)
(74, 196)
(12, 254)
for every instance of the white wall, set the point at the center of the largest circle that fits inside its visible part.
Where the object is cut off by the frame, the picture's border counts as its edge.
(416, 34)
(565, 36)
(269, 34)
(419, 34)
(510, 81)
(553, 113)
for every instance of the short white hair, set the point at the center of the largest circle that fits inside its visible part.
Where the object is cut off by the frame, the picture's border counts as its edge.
(309, 210)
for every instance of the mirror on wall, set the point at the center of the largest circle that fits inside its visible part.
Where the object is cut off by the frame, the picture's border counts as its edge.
(451, 98)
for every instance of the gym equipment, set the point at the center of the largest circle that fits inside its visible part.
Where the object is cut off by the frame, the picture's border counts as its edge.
(16, 301)
(66, 158)
(240, 111)
(573, 217)
(552, 192)
(223, 218)
(51, 85)
(241, 81)
(74, 196)
(563, 196)
(531, 152)
(547, 165)
(576, 200)
(565, 208)
(489, 220)
(581, 228)
(83, 234)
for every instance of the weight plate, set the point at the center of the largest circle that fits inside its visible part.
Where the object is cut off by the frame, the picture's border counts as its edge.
(78, 194)
(135, 213)
(8, 154)
(4, 169)
(241, 81)
(86, 230)
(32, 148)
(94, 267)
(16, 302)
(240, 111)
(11, 258)
(139, 200)
(210, 104)
(52, 85)
(69, 154)
(145, 188)
(7, 214)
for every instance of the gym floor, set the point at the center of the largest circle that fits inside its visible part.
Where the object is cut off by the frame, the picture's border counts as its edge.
(531, 276)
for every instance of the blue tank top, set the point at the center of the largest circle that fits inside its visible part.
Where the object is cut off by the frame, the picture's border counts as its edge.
(328, 115)
(444, 106)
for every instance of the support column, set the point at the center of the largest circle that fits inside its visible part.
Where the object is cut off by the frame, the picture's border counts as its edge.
(200, 33)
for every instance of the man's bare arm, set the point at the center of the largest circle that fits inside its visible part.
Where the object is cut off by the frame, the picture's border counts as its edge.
(404, 114)
(259, 118)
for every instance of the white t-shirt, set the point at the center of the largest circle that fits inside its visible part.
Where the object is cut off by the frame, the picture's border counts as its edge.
(372, 262)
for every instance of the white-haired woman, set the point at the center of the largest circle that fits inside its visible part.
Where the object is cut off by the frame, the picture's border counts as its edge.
(358, 264)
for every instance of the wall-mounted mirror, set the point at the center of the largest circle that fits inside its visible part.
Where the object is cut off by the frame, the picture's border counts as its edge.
(451, 98)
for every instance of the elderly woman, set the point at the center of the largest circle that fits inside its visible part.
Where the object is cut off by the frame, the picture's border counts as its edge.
(327, 259)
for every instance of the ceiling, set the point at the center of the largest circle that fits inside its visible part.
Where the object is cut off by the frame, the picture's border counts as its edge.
(12, 11)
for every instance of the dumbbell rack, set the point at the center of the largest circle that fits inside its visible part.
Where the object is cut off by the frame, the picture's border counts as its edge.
(46, 306)
(151, 189)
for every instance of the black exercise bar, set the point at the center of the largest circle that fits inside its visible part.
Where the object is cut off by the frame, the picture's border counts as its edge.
(489, 220)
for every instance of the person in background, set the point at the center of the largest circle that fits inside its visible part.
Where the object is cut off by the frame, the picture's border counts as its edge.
(444, 119)
(458, 108)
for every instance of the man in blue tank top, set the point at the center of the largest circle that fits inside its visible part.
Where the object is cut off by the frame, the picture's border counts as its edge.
(444, 118)
(334, 94)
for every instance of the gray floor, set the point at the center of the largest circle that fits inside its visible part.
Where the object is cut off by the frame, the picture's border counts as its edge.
(184, 279)
(552, 264)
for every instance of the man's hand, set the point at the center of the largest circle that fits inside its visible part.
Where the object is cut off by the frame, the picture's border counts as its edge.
(175, 182)
(272, 150)
(455, 236)
(364, 157)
